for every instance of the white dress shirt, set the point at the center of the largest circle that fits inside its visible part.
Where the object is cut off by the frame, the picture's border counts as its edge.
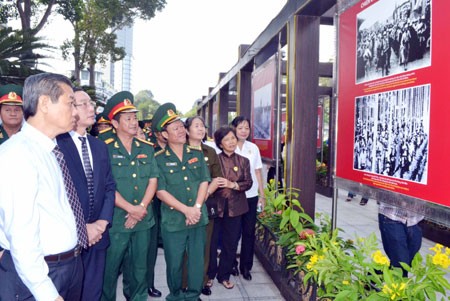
(251, 152)
(75, 137)
(35, 215)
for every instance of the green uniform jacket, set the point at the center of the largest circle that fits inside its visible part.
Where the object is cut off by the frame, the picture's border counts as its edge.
(181, 180)
(3, 135)
(132, 174)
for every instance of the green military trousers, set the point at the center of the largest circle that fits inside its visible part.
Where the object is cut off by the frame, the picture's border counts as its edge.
(134, 246)
(176, 244)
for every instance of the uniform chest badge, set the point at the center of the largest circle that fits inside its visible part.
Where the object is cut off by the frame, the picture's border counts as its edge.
(141, 156)
(118, 156)
(193, 160)
(171, 164)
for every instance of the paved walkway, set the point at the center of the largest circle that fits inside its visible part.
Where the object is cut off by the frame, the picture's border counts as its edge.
(354, 219)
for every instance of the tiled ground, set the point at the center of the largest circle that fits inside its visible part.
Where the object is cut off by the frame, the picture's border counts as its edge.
(354, 219)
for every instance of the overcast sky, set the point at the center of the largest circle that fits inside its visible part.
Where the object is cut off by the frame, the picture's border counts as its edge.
(179, 54)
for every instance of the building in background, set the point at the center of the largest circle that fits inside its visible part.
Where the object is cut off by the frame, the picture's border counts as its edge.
(120, 73)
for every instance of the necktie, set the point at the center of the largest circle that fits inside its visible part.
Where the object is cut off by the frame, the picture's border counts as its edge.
(73, 199)
(89, 174)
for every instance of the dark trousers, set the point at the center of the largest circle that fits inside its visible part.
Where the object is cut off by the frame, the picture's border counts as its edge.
(400, 242)
(67, 276)
(248, 235)
(94, 268)
(229, 227)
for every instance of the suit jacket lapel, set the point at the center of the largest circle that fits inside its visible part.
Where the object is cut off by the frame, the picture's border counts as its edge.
(74, 155)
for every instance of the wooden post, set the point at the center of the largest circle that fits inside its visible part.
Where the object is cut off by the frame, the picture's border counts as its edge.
(302, 102)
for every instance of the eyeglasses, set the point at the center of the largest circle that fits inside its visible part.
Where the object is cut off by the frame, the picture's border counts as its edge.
(85, 104)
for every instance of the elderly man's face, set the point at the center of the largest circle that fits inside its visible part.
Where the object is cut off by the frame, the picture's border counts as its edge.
(62, 114)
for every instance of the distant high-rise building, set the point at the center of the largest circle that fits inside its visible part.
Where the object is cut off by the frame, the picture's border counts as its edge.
(121, 72)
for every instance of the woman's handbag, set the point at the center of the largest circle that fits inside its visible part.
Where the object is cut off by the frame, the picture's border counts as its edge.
(211, 205)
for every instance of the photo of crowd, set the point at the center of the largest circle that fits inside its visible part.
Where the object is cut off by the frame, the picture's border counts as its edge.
(391, 133)
(393, 37)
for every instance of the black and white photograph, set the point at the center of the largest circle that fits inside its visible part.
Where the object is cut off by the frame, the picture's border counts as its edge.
(391, 133)
(262, 112)
(393, 36)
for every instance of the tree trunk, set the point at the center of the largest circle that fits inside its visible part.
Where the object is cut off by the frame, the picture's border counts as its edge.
(92, 74)
(77, 57)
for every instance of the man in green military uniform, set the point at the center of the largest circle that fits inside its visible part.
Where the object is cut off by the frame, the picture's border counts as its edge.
(105, 129)
(11, 111)
(135, 171)
(102, 124)
(182, 188)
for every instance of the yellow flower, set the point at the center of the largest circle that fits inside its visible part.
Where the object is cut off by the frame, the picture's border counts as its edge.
(394, 291)
(437, 248)
(379, 258)
(441, 259)
(345, 282)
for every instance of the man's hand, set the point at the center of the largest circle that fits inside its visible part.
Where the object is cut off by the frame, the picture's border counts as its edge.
(137, 212)
(130, 222)
(193, 215)
(94, 233)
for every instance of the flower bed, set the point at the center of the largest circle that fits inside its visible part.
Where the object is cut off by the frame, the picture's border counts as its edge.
(296, 252)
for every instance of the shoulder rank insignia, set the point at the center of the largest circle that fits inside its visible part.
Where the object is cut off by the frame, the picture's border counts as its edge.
(145, 141)
(199, 148)
(116, 145)
(106, 130)
(109, 140)
(161, 151)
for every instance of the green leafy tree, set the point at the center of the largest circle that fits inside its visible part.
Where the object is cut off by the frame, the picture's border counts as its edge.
(145, 104)
(33, 17)
(13, 61)
(95, 23)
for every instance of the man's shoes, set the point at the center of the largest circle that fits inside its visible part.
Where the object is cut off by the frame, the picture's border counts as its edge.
(153, 292)
(235, 271)
(363, 201)
(246, 274)
(206, 290)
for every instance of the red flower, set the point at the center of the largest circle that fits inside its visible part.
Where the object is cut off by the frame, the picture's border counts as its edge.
(300, 249)
(305, 233)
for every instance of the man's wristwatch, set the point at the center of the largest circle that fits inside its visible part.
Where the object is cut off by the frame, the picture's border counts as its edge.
(199, 206)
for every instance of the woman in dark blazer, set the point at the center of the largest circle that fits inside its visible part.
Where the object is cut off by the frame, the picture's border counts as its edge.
(232, 204)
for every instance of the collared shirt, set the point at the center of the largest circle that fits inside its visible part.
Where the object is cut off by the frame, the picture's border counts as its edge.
(75, 137)
(35, 215)
(251, 152)
(402, 215)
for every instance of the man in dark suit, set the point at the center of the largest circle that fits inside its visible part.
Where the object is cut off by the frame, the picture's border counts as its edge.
(89, 165)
